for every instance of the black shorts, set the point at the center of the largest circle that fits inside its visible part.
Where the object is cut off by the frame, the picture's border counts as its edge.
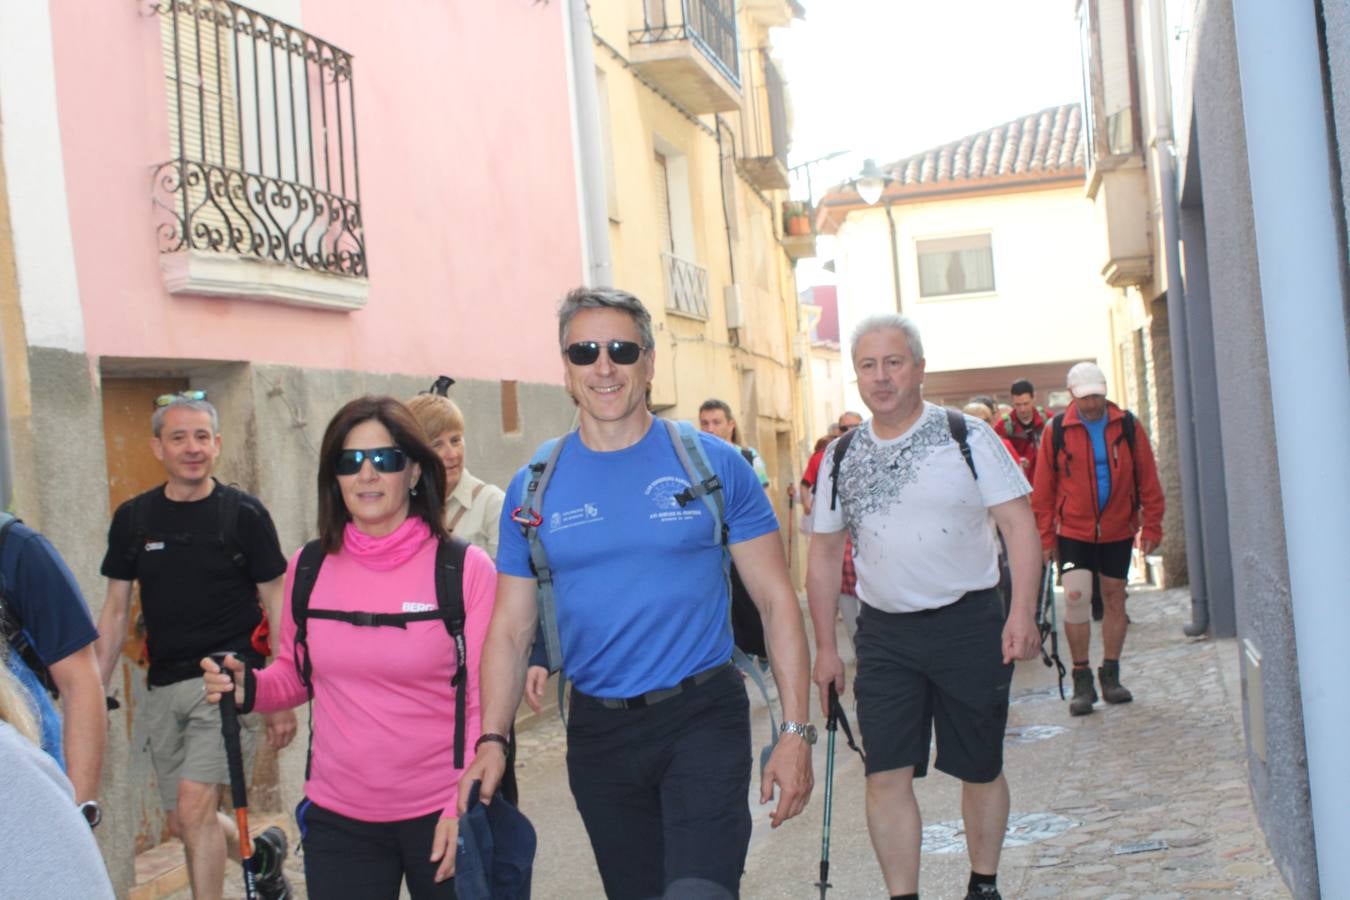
(938, 670)
(1111, 559)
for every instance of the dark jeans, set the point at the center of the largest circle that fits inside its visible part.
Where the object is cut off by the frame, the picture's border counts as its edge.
(663, 790)
(348, 858)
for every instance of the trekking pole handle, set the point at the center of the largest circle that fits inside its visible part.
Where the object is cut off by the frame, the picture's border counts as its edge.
(832, 720)
(229, 729)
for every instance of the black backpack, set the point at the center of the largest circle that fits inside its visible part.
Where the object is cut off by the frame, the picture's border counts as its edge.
(11, 626)
(956, 424)
(449, 609)
(747, 628)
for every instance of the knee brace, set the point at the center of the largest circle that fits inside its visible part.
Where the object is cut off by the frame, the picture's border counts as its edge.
(1077, 596)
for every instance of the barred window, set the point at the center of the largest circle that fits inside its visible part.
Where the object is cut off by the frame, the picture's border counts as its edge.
(262, 134)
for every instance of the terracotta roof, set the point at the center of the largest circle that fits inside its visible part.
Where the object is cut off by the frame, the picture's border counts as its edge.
(1043, 145)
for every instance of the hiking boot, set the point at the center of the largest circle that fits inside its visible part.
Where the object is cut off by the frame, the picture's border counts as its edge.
(270, 848)
(1109, 676)
(984, 892)
(1084, 694)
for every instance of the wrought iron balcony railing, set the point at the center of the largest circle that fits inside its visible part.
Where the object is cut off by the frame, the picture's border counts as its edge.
(262, 123)
(686, 286)
(708, 24)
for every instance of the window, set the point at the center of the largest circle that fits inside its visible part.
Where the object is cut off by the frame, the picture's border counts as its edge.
(262, 159)
(1106, 38)
(686, 281)
(956, 265)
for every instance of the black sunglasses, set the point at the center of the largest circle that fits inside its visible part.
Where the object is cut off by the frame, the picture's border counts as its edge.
(621, 353)
(384, 459)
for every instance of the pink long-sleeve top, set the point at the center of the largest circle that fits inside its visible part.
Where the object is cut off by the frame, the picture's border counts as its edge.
(384, 710)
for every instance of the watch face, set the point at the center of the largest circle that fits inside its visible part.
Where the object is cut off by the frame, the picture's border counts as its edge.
(810, 734)
(92, 813)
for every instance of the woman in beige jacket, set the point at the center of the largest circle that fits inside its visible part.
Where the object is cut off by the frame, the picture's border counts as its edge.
(473, 507)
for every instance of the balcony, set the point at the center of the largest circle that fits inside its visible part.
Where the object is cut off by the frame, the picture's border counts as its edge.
(1119, 191)
(799, 235)
(770, 131)
(686, 286)
(261, 198)
(689, 49)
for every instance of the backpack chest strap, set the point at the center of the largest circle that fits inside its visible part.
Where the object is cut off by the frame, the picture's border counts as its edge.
(378, 620)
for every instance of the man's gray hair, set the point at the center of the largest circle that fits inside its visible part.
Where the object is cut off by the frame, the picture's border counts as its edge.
(889, 320)
(157, 420)
(604, 298)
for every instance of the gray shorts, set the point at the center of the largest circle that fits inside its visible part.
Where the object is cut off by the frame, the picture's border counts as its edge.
(185, 739)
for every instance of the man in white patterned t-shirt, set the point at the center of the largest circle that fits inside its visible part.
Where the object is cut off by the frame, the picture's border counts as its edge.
(918, 490)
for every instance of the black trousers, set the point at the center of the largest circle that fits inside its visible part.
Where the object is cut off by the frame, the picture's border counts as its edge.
(347, 858)
(664, 790)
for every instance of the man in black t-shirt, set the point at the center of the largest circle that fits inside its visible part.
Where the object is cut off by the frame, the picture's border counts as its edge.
(204, 554)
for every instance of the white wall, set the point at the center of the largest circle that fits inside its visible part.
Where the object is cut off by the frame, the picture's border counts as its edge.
(1049, 301)
(828, 374)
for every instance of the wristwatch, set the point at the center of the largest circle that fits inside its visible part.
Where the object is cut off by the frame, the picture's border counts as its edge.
(804, 730)
(91, 812)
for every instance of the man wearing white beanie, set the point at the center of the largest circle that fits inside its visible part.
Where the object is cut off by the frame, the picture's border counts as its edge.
(1096, 496)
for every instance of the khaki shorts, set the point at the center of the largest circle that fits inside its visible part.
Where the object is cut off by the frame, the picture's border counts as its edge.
(185, 738)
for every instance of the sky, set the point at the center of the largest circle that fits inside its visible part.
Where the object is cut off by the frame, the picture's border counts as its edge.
(889, 78)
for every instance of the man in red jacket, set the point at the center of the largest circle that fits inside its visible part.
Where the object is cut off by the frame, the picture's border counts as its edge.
(1096, 494)
(1024, 425)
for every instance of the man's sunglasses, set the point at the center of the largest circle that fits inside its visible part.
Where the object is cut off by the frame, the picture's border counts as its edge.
(180, 397)
(384, 459)
(621, 353)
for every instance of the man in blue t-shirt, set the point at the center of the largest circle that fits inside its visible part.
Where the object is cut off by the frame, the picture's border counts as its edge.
(41, 603)
(658, 738)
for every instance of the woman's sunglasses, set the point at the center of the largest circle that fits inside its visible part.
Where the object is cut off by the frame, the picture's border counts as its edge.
(621, 353)
(384, 459)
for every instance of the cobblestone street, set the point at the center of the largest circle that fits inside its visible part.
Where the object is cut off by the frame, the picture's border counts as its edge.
(1146, 800)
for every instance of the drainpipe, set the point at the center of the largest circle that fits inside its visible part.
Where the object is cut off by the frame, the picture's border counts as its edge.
(1178, 325)
(597, 266)
(895, 259)
(1298, 252)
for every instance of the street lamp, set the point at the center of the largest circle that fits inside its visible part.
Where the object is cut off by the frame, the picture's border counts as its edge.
(871, 182)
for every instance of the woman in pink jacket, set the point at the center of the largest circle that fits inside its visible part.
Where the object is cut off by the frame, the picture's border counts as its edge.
(380, 791)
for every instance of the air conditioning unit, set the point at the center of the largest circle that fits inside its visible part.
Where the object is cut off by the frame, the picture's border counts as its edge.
(731, 297)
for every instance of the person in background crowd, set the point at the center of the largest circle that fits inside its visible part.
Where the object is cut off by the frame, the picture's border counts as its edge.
(985, 413)
(380, 796)
(1096, 496)
(1023, 425)
(205, 554)
(472, 506)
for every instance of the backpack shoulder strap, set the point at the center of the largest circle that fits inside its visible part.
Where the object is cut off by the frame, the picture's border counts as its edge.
(704, 484)
(306, 574)
(140, 526)
(1057, 438)
(528, 515)
(956, 424)
(748, 454)
(450, 598)
(231, 498)
(840, 450)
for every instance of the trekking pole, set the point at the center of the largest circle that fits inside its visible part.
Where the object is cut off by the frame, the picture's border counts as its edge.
(832, 727)
(234, 755)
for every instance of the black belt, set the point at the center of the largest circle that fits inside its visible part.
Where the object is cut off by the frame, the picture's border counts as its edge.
(651, 698)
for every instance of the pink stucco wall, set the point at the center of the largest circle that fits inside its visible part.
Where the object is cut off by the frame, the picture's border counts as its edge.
(467, 192)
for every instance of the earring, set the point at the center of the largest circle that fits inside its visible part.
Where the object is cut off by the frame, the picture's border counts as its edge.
(413, 492)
